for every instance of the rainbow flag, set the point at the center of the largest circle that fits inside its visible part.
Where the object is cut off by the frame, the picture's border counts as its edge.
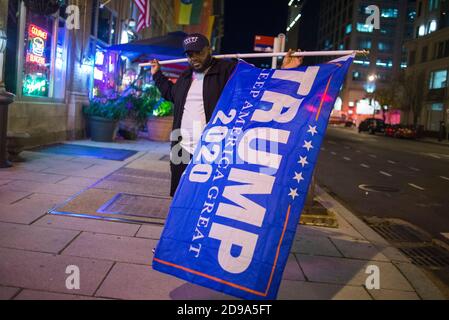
(188, 12)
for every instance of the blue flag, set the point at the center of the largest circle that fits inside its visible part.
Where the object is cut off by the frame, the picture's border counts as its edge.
(234, 216)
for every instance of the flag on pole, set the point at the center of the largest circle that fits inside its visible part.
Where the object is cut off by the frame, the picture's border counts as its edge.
(234, 216)
(144, 20)
(188, 12)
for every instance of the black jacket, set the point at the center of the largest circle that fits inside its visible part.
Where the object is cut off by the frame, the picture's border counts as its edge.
(214, 83)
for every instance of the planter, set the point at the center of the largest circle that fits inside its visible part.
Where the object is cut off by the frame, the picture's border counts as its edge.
(159, 128)
(128, 129)
(102, 129)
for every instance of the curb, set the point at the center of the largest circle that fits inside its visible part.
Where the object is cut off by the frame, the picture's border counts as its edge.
(424, 287)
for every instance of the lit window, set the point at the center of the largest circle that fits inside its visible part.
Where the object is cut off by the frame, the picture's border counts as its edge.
(348, 28)
(432, 26)
(422, 30)
(438, 79)
(364, 28)
(384, 63)
(389, 13)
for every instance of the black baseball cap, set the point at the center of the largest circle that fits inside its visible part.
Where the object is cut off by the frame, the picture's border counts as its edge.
(195, 42)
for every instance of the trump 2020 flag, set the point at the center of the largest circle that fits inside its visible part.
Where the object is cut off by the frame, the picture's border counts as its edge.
(234, 215)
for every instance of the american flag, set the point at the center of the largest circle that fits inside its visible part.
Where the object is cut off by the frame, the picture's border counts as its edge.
(144, 16)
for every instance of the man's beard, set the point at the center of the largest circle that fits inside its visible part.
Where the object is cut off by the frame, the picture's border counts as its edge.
(205, 65)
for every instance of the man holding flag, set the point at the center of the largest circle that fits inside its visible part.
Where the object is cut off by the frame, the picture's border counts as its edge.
(195, 96)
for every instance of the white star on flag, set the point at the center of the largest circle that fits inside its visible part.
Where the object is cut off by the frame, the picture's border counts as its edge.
(293, 193)
(303, 161)
(298, 177)
(312, 130)
(308, 145)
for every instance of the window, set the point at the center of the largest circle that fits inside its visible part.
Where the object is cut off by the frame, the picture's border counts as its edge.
(42, 65)
(384, 46)
(432, 26)
(365, 44)
(438, 79)
(364, 28)
(422, 30)
(348, 29)
(435, 116)
(433, 4)
(384, 63)
(389, 13)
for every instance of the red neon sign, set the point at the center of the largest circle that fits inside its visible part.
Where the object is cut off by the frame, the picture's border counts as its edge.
(35, 31)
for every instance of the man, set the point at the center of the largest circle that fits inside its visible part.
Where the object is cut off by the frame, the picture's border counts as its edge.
(195, 96)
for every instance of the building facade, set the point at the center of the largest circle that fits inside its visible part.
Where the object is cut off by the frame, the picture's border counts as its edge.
(343, 26)
(428, 64)
(54, 64)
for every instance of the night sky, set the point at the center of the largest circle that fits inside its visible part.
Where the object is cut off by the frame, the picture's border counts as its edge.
(246, 18)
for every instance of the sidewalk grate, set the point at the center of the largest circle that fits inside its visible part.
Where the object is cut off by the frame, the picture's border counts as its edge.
(428, 256)
(400, 233)
(137, 206)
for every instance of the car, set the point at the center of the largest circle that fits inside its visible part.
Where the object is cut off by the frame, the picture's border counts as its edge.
(372, 125)
(406, 132)
(390, 130)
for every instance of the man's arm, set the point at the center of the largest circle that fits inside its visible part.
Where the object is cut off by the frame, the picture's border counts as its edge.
(164, 85)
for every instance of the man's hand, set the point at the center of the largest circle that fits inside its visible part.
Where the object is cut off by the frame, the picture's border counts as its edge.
(155, 66)
(291, 62)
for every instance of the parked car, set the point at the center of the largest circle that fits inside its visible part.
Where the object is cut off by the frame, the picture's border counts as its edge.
(372, 126)
(390, 130)
(406, 132)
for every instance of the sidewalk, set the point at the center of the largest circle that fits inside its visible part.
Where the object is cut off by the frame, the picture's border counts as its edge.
(114, 258)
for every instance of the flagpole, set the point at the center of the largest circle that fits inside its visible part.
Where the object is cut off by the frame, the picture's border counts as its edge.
(268, 55)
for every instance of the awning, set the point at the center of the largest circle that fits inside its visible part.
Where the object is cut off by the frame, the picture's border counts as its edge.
(161, 48)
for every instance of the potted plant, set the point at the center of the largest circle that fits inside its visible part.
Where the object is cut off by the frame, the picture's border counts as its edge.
(140, 104)
(103, 115)
(159, 125)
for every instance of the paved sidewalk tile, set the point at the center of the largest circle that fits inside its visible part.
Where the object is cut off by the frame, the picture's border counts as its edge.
(43, 271)
(51, 188)
(45, 295)
(9, 196)
(4, 181)
(30, 176)
(383, 294)
(138, 282)
(292, 270)
(6, 293)
(359, 250)
(301, 290)
(43, 200)
(317, 246)
(150, 231)
(421, 282)
(78, 181)
(110, 247)
(34, 238)
(351, 272)
(19, 213)
(85, 224)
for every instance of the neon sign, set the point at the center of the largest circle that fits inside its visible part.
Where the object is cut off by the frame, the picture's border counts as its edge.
(37, 39)
(35, 31)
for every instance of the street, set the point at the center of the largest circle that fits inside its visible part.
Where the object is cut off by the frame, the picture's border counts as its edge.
(418, 171)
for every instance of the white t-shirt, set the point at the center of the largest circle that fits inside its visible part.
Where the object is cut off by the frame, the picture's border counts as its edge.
(194, 118)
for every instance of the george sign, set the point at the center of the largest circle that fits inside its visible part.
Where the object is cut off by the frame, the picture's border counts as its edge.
(263, 43)
(234, 216)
